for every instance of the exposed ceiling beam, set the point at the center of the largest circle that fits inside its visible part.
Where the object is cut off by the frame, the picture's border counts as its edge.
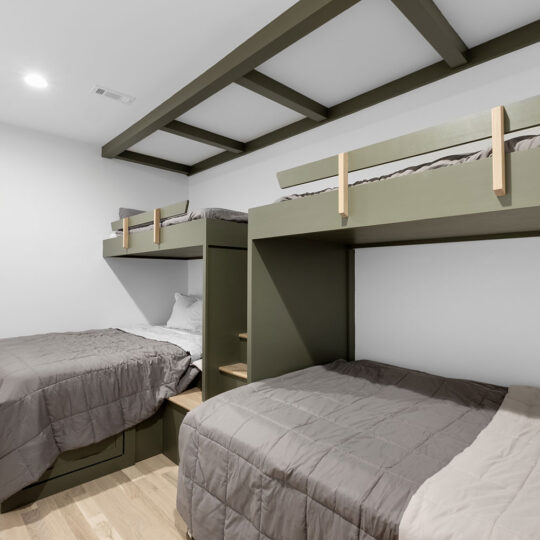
(499, 46)
(292, 25)
(201, 135)
(274, 90)
(432, 24)
(156, 162)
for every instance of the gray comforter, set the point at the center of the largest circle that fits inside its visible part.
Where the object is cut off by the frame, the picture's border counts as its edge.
(329, 452)
(64, 391)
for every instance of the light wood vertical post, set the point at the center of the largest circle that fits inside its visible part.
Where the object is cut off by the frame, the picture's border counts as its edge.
(125, 232)
(343, 193)
(498, 157)
(157, 226)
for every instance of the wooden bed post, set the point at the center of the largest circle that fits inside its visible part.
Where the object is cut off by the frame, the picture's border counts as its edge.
(157, 225)
(343, 194)
(125, 233)
(498, 157)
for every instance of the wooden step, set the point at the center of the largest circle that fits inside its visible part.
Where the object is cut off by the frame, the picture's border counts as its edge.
(236, 370)
(189, 399)
(243, 335)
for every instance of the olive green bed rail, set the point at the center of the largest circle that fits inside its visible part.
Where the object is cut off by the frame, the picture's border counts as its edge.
(495, 123)
(148, 218)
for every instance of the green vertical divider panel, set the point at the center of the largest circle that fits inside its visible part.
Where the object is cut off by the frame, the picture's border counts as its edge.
(149, 437)
(299, 305)
(225, 306)
(173, 416)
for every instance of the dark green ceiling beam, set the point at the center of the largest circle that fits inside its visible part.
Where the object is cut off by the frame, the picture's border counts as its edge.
(432, 24)
(201, 135)
(274, 90)
(507, 43)
(292, 25)
(156, 162)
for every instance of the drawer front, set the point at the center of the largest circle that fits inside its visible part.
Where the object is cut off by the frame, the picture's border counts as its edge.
(80, 458)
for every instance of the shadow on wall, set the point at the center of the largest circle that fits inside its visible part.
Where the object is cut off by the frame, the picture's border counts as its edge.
(151, 284)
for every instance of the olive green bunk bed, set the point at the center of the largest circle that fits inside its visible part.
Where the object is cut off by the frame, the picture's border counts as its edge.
(300, 264)
(223, 247)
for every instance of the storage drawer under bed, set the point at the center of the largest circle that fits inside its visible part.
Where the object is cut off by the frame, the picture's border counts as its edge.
(78, 466)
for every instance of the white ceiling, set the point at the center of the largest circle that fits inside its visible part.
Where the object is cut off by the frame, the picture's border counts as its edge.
(151, 49)
(146, 48)
(352, 53)
(477, 21)
(240, 114)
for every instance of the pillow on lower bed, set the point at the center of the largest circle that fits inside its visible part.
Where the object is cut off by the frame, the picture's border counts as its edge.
(186, 313)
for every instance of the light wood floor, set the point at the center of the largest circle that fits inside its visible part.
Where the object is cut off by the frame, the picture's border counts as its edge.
(136, 503)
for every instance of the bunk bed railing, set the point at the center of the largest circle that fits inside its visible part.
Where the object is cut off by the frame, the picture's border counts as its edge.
(148, 218)
(514, 117)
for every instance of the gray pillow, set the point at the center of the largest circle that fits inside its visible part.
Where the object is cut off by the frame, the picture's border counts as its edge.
(128, 212)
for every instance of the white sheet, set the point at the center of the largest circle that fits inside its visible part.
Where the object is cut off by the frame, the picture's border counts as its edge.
(190, 342)
(491, 491)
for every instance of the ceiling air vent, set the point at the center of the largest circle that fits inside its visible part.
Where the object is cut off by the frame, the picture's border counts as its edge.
(113, 94)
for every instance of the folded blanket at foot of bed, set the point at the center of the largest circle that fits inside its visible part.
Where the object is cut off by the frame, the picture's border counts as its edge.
(362, 450)
(64, 391)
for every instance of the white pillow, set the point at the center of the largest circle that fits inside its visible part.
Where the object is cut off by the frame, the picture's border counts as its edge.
(186, 313)
(193, 320)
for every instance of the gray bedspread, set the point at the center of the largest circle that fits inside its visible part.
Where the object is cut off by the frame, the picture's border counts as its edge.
(64, 391)
(329, 452)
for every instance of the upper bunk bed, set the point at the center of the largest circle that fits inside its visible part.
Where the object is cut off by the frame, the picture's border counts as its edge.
(172, 232)
(301, 251)
(479, 197)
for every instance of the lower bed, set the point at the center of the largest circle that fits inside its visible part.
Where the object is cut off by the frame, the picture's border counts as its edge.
(60, 392)
(354, 450)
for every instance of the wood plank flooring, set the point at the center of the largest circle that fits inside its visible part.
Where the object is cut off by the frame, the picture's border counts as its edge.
(135, 503)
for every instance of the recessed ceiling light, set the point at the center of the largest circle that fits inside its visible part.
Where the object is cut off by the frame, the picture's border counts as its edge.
(35, 80)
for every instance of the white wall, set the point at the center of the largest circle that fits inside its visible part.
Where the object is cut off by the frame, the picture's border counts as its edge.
(467, 309)
(503, 355)
(57, 199)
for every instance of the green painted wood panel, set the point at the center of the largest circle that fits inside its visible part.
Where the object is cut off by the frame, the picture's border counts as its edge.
(226, 233)
(100, 464)
(83, 457)
(173, 416)
(520, 115)
(229, 382)
(147, 218)
(225, 307)
(298, 305)
(149, 437)
(452, 193)
(181, 241)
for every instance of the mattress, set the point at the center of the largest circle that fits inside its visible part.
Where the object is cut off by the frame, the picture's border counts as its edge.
(64, 391)
(223, 214)
(362, 450)
(516, 144)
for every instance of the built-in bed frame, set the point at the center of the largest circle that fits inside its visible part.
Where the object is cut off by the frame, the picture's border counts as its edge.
(223, 247)
(300, 266)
